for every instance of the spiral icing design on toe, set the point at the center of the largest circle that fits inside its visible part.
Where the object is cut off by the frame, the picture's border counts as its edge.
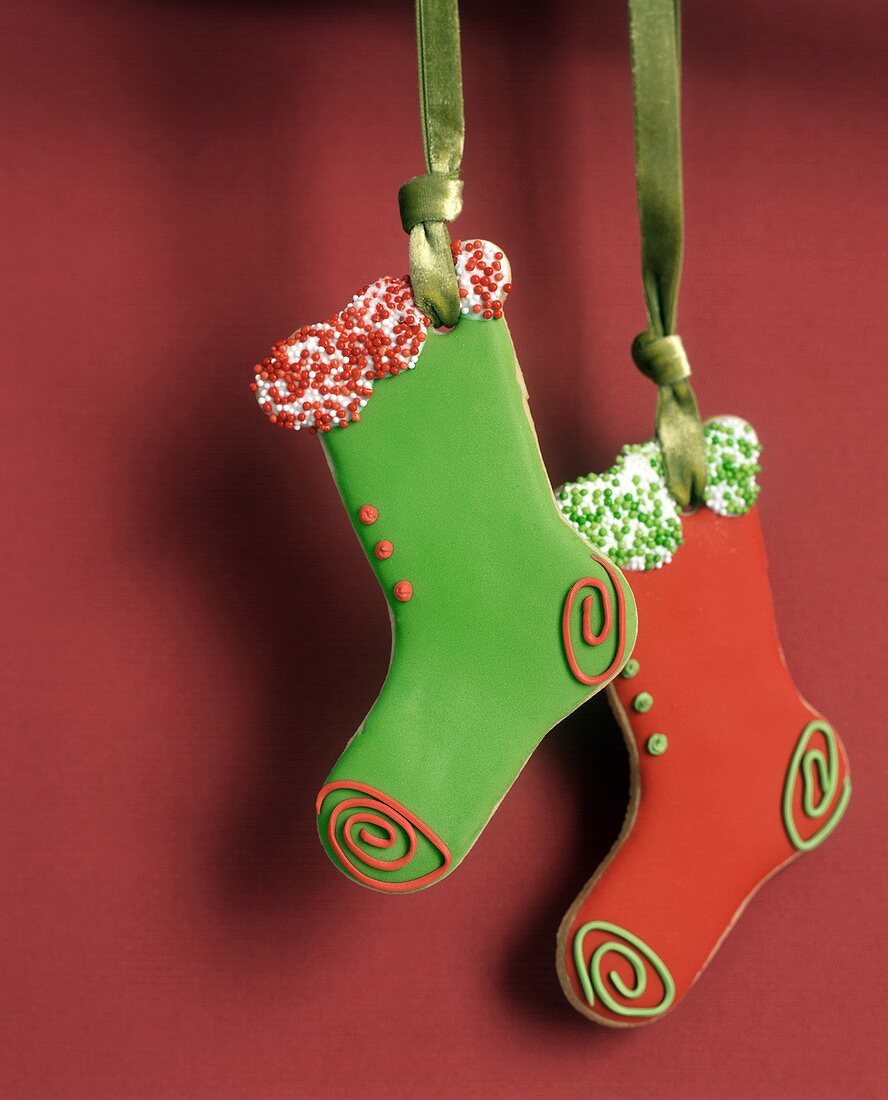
(617, 995)
(815, 791)
(373, 838)
(588, 597)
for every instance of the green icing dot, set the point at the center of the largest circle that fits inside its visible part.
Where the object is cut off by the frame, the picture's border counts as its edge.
(657, 744)
(631, 669)
(642, 702)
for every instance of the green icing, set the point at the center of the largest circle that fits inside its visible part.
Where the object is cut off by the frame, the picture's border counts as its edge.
(628, 511)
(630, 669)
(803, 764)
(642, 702)
(447, 455)
(639, 956)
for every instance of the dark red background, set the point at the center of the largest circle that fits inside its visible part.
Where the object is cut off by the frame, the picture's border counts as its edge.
(190, 631)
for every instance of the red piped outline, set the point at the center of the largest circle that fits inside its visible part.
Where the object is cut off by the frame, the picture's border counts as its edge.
(609, 672)
(589, 637)
(396, 811)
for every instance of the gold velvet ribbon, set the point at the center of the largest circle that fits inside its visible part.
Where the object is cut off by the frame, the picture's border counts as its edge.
(428, 202)
(655, 40)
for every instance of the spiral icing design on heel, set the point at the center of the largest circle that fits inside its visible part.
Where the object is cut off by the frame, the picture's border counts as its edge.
(374, 839)
(814, 791)
(610, 988)
(582, 643)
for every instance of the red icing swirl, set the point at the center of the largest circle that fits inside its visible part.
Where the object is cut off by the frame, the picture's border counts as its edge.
(349, 843)
(610, 622)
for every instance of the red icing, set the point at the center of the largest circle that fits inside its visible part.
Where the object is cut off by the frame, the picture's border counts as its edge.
(403, 591)
(368, 515)
(709, 826)
(383, 549)
(388, 815)
(589, 637)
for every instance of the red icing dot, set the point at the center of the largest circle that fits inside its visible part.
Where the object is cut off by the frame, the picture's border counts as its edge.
(383, 549)
(368, 514)
(403, 591)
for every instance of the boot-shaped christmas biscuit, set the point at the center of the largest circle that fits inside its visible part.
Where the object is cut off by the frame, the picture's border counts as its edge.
(504, 619)
(733, 773)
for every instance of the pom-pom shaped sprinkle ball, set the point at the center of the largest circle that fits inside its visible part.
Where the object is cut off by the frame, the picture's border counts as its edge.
(323, 375)
(732, 454)
(629, 513)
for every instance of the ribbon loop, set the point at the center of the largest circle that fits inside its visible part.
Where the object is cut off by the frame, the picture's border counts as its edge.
(430, 255)
(428, 202)
(654, 36)
(429, 198)
(680, 436)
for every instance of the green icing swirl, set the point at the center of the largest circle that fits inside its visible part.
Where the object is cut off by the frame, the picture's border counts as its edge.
(628, 512)
(608, 987)
(827, 808)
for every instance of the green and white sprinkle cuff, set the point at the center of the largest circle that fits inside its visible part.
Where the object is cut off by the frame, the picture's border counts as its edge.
(628, 512)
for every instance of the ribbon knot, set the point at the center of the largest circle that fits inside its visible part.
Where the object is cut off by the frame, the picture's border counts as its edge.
(661, 358)
(426, 204)
(433, 197)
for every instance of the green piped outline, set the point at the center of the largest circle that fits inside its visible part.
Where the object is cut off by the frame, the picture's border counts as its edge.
(591, 981)
(826, 768)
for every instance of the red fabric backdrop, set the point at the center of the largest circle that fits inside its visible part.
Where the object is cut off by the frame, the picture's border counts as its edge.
(183, 182)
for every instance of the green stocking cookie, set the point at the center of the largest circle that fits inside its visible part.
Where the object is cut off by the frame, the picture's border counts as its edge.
(504, 620)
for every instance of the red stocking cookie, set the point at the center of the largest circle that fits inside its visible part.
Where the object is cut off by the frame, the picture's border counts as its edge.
(731, 781)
